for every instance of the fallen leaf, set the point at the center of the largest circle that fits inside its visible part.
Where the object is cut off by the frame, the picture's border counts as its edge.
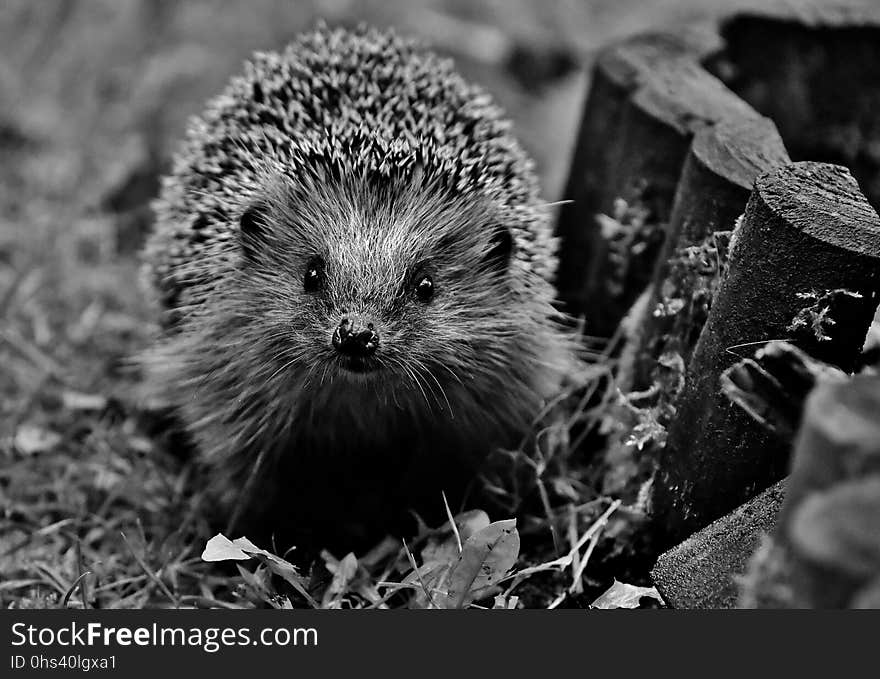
(485, 558)
(221, 548)
(30, 439)
(444, 550)
(622, 595)
(471, 522)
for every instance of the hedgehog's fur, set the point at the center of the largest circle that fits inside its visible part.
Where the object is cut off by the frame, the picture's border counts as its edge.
(363, 149)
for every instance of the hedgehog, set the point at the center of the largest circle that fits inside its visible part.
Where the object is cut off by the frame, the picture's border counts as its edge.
(355, 272)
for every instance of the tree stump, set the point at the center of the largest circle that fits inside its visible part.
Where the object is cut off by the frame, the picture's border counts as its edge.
(804, 265)
(648, 97)
(670, 143)
(720, 170)
(651, 93)
(816, 72)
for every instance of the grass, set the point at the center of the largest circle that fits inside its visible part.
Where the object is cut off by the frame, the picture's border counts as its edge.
(98, 511)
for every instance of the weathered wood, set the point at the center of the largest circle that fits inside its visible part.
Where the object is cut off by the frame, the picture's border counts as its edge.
(703, 571)
(825, 551)
(816, 72)
(806, 251)
(648, 97)
(649, 94)
(720, 170)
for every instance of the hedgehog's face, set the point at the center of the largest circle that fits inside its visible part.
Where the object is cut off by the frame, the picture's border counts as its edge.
(372, 286)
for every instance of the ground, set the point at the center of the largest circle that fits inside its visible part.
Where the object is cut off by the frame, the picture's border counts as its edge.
(96, 507)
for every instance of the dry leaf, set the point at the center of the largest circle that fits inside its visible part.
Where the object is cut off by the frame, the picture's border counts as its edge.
(622, 595)
(221, 548)
(485, 558)
(445, 550)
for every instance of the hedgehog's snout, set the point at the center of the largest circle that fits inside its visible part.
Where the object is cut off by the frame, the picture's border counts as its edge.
(355, 338)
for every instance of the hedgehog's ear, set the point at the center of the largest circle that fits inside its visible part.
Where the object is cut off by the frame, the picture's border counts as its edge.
(500, 248)
(252, 230)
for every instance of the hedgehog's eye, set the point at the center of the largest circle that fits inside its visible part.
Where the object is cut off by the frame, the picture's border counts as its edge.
(313, 279)
(424, 287)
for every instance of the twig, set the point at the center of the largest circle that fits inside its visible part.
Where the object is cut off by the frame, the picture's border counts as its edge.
(451, 522)
(412, 562)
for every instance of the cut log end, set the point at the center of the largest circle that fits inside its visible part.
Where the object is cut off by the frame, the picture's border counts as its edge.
(702, 571)
(803, 267)
(739, 150)
(824, 202)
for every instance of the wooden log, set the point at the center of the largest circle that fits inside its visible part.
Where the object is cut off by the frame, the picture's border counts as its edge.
(718, 175)
(720, 170)
(807, 251)
(825, 551)
(703, 571)
(815, 70)
(648, 97)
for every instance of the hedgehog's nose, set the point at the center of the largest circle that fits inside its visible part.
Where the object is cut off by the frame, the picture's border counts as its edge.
(353, 339)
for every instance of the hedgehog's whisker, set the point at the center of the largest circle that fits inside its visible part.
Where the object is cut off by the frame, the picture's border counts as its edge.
(423, 368)
(307, 379)
(414, 378)
(451, 372)
(296, 357)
